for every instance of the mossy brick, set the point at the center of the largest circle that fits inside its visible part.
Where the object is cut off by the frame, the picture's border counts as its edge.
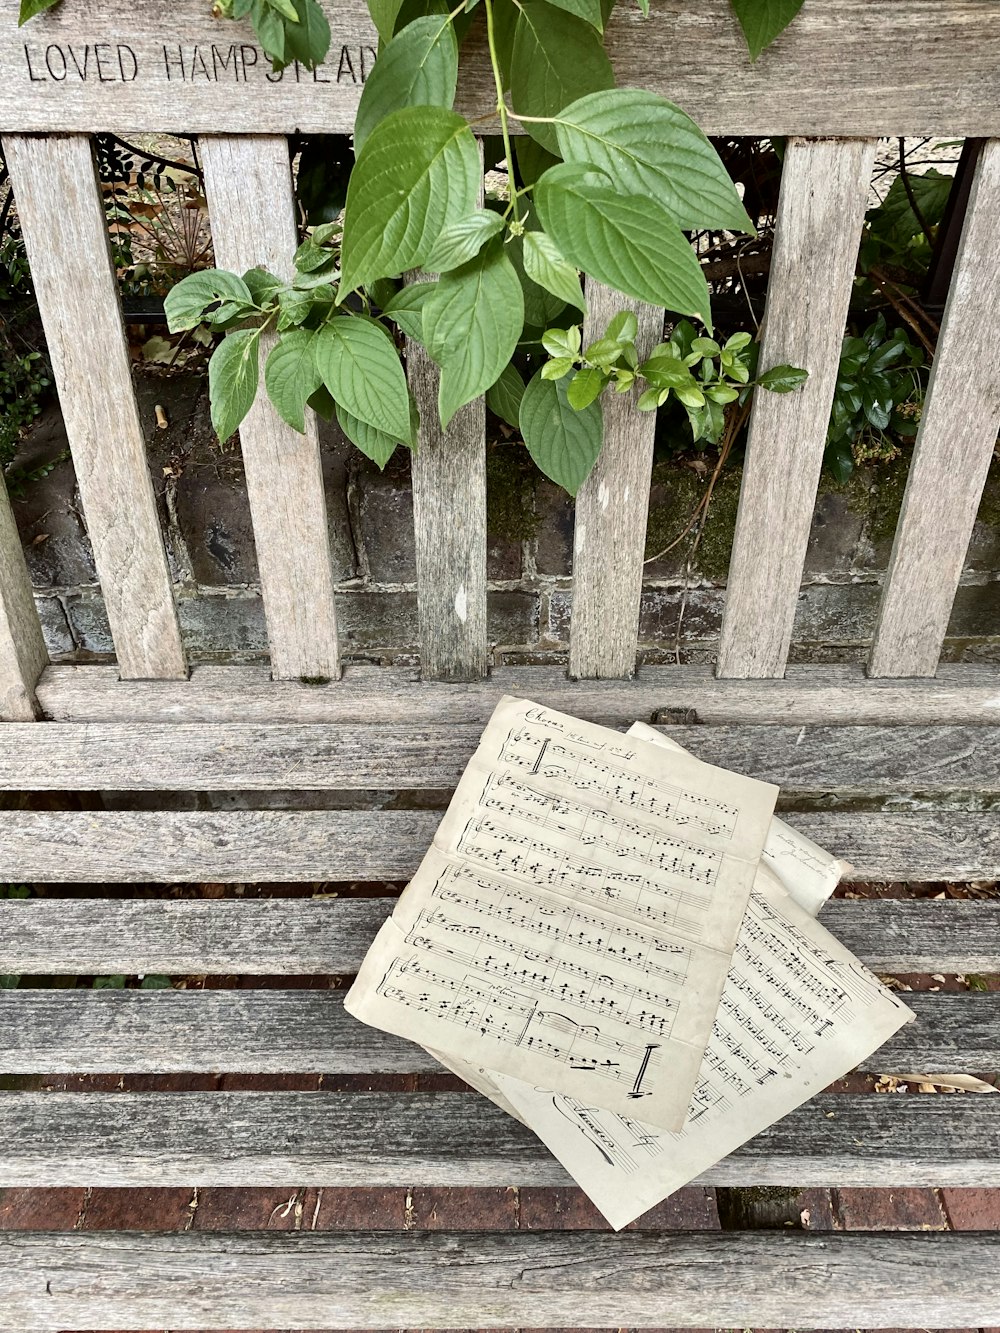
(554, 537)
(48, 513)
(384, 511)
(837, 527)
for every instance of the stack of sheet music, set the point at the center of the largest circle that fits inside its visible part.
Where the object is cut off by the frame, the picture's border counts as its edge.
(616, 943)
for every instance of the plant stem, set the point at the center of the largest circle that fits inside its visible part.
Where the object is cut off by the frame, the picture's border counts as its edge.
(501, 109)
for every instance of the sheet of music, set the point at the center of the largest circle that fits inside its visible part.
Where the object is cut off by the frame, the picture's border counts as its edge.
(798, 1011)
(573, 923)
(806, 871)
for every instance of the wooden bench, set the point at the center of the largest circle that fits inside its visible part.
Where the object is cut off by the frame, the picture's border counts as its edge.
(894, 766)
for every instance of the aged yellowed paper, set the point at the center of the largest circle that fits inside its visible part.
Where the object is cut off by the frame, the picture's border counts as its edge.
(574, 921)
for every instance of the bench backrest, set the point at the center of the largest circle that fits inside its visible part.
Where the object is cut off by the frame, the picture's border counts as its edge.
(840, 77)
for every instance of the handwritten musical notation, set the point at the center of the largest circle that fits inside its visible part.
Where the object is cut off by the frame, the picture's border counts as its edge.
(574, 921)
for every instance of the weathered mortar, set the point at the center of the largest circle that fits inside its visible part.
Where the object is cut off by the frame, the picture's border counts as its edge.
(206, 523)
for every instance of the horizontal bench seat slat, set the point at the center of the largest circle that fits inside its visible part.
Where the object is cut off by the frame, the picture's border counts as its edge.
(832, 695)
(196, 1280)
(297, 846)
(237, 756)
(375, 1139)
(84, 936)
(309, 1031)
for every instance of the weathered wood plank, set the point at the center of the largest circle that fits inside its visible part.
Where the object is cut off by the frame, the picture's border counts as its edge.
(252, 208)
(846, 67)
(953, 450)
(106, 847)
(302, 1031)
(833, 695)
(23, 655)
(298, 1279)
(821, 207)
(238, 756)
(609, 536)
(55, 185)
(449, 515)
(56, 936)
(446, 1139)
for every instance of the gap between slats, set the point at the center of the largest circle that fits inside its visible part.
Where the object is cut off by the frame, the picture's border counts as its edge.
(953, 450)
(248, 182)
(65, 234)
(821, 208)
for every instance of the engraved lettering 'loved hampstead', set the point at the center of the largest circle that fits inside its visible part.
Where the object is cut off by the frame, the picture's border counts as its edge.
(180, 63)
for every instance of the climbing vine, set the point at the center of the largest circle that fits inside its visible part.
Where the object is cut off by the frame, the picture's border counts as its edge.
(605, 182)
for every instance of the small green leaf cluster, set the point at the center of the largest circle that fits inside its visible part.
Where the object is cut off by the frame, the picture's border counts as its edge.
(337, 359)
(697, 372)
(879, 394)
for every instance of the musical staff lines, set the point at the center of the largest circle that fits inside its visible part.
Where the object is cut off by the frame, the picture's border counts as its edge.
(525, 749)
(516, 1018)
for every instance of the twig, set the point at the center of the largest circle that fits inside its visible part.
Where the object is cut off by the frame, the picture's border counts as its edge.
(905, 178)
(903, 306)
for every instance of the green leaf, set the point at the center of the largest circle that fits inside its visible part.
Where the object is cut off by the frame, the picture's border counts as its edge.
(563, 443)
(262, 285)
(359, 365)
(838, 460)
(187, 303)
(590, 10)
(557, 58)
(284, 8)
(584, 388)
(384, 14)
(291, 376)
(782, 379)
(270, 31)
(562, 342)
(154, 982)
(626, 241)
(648, 146)
(407, 308)
(116, 982)
(419, 67)
(623, 328)
(471, 322)
(29, 8)
(308, 40)
(557, 368)
(541, 308)
(463, 240)
(504, 398)
(532, 159)
(11, 981)
(374, 444)
(418, 173)
(544, 265)
(764, 20)
(233, 376)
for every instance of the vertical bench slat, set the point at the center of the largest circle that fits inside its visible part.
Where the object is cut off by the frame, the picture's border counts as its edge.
(821, 207)
(248, 182)
(62, 218)
(611, 511)
(449, 515)
(953, 450)
(448, 471)
(23, 656)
